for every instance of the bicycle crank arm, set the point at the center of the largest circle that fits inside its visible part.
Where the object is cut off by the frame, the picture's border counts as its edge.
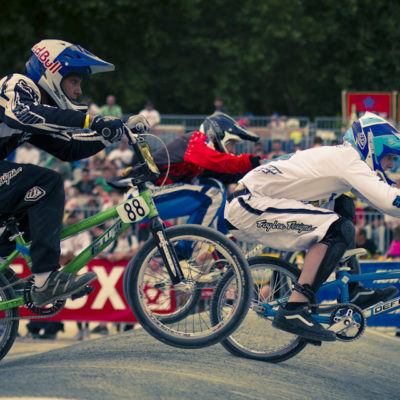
(341, 325)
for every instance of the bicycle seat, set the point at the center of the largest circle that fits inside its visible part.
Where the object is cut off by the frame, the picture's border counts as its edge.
(353, 252)
(121, 183)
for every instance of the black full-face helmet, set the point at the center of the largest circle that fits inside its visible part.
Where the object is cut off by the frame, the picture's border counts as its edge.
(220, 128)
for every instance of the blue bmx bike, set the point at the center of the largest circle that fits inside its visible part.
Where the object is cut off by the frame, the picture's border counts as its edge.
(273, 279)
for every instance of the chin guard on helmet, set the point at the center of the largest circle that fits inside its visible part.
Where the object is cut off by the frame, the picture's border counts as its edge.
(221, 128)
(52, 60)
(374, 138)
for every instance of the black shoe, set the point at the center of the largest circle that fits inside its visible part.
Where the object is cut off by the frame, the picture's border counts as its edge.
(364, 298)
(301, 323)
(60, 285)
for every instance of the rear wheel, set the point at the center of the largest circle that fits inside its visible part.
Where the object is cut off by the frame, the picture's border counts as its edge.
(8, 328)
(179, 315)
(256, 338)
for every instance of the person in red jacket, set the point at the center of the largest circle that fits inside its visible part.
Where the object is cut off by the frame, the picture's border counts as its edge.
(200, 164)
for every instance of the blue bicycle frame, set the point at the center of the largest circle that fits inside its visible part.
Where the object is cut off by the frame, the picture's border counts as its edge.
(330, 291)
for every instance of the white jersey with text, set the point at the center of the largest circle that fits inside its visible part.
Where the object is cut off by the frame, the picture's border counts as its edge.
(290, 200)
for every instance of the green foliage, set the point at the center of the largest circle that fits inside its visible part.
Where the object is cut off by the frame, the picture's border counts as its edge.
(290, 56)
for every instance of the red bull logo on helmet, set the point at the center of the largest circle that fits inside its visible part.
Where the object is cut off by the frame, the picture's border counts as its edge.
(44, 56)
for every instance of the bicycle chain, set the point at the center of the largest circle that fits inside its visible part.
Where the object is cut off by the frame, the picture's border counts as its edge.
(28, 281)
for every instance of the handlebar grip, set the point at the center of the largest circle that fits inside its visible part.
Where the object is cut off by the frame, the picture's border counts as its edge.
(140, 128)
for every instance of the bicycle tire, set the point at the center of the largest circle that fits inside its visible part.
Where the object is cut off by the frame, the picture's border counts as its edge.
(191, 325)
(256, 338)
(8, 329)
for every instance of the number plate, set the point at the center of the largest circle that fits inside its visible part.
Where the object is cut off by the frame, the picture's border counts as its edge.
(133, 210)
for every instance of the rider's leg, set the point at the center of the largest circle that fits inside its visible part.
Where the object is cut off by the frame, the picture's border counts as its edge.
(358, 294)
(312, 261)
(289, 225)
(39, 193)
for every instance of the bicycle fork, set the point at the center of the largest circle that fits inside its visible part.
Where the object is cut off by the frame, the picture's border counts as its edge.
(166, 250)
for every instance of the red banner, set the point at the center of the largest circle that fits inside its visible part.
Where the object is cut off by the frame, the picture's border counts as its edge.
(377, 102)
(107, 302)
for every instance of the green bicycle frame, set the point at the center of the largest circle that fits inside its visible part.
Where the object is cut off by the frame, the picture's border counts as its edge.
(95, 248)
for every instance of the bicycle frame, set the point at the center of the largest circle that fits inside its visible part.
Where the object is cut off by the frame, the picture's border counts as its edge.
(345, 278)
(342, 282)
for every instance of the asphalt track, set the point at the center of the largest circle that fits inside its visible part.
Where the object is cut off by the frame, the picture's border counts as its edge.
(133, 365)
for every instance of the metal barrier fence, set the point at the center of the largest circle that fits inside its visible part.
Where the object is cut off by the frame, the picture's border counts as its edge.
(328, 128)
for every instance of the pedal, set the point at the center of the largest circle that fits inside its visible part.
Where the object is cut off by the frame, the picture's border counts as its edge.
(84, 292)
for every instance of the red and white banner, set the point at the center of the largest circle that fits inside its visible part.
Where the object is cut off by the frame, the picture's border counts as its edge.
(107, 302)
(380, 103)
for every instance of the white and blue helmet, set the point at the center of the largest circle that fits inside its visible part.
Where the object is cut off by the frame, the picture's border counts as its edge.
(52, 60)
(374, 138)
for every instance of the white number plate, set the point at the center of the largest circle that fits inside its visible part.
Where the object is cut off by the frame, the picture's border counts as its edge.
(133, 210)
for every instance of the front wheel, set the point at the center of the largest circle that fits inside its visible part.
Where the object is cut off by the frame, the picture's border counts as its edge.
(8, 319)
(256, 338)
(179, 315)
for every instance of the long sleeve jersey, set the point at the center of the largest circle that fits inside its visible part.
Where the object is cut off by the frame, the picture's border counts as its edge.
(322, 174)
(191, 156)
(23, 119)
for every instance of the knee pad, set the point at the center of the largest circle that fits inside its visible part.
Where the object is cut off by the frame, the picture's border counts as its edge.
(344, 206)
(338, 238)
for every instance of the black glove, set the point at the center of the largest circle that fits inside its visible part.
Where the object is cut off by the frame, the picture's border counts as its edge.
(255, 161)
(110, 128)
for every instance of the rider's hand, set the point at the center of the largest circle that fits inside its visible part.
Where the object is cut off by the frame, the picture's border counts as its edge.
(110, 128)
(137, 124)
(256, 161)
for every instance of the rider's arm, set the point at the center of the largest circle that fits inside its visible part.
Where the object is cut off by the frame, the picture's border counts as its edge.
(200, 154)
(70, 146)
(367, 185)
(59, 132)
(20, 98)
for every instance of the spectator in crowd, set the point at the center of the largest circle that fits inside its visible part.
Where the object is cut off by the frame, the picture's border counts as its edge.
(122, 156)
(276, 150)
(367, 244)
(27, 154)
(219, 106)
(259, 150)
(394, 249)
(62, 167)
(277, 127)
(295, 133)
(86, 184)
(124, 248)
(111, 108)
(93, 108)
(318, 142)
(246, 120)
(96, 164)
(44, 329)
(151, 114)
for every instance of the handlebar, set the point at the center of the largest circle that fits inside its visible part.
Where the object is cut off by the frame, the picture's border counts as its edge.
(148, 169)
